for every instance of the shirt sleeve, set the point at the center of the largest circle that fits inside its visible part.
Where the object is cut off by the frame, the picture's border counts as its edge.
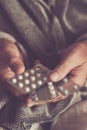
(82, 37)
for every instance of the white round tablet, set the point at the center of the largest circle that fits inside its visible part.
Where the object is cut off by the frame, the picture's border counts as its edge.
(26, 74)
(20, 77)
(27, 89)
(27, 81)
(20, 85)
(14, 80)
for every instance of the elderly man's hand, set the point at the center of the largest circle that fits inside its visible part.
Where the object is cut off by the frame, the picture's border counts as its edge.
(74, 62)
(11, 62)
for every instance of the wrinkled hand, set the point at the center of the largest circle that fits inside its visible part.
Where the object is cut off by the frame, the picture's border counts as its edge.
(74, 62)
(11, 62)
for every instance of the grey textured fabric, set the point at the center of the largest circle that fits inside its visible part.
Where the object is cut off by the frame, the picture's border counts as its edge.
(6, 36)
(14, 115)
(40, 43)
(53, 25)
(33, 30)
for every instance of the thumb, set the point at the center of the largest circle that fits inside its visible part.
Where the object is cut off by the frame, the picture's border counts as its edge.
(13, 58)
(16, 65)
(66, 65)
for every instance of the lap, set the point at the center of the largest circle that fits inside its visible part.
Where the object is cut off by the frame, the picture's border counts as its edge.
(75, 118)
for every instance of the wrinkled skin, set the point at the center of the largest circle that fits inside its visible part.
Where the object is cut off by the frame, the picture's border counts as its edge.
(73, 62)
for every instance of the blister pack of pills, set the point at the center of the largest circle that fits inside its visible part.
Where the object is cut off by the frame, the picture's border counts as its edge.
(31, 79)
(37, 84)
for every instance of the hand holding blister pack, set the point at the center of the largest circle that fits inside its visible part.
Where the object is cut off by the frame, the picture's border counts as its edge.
(36, 83)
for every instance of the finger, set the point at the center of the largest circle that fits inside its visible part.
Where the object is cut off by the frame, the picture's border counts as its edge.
(16, 65)
(66, 65)
(13, 58)
(28, 102)
(5, 74)
(5, 71)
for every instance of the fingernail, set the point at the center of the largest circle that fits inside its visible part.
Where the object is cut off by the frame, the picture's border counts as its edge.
(18, 68)
(28, 102)
(54, 76)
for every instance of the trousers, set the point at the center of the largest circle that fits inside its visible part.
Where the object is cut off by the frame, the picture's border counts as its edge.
(73, 119)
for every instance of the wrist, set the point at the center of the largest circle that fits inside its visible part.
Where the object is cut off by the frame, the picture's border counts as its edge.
(7, 36)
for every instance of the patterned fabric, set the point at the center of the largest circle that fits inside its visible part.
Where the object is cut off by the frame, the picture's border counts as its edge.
(14, 115)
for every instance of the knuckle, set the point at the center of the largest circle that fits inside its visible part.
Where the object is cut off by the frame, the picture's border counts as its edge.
(80, 45)
(79, 79)
(63, 68)
(13, 60)
(82, 51)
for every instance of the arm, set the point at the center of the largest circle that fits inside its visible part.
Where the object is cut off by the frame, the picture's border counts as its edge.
(11, 58)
